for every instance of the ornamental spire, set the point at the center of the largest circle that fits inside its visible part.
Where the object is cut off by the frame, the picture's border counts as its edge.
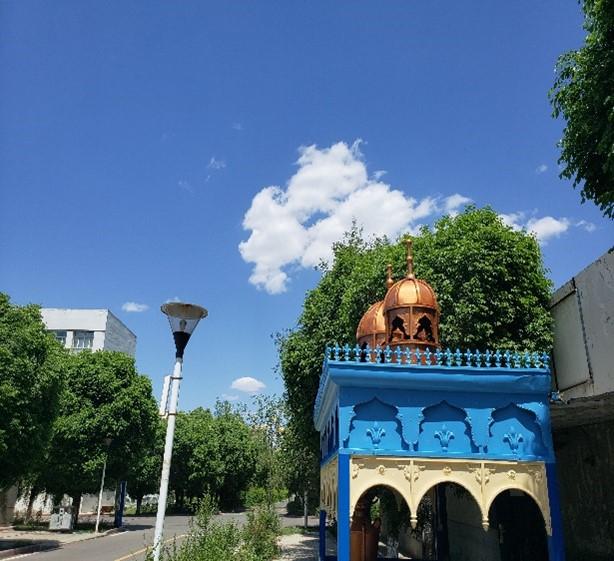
(410, 259)
(389, 281)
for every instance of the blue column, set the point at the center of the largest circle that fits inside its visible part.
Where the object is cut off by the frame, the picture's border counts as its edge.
(322, 535)
(343, 508)
(556, 545)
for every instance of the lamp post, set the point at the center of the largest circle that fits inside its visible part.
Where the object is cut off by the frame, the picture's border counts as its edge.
(107, 443)
(183, 319)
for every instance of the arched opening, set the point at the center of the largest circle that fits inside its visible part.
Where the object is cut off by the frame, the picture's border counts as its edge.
(424, 330)
(381, 516)
(397, 330)
(449, 527)
(519, 523)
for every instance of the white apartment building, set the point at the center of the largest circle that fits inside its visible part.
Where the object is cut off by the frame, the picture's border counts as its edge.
(95, 329)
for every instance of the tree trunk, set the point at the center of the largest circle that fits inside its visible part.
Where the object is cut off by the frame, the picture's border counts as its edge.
(76, 505)
(139, 502)
(305, 509)
(34, 491)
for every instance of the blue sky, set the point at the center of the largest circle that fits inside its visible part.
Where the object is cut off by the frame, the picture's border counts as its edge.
(211, 151)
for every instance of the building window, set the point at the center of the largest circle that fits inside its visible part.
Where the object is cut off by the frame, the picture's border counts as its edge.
(83, 340)
(60, 336)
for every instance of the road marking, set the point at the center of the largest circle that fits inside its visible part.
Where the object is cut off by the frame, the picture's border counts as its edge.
(125, 557)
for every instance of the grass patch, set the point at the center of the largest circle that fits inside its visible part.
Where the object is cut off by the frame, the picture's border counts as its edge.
(309, 531)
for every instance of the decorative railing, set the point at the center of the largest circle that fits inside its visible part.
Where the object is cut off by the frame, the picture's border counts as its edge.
(415, 358)
(439, 358)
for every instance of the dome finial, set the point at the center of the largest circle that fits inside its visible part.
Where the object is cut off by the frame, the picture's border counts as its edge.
(410, 259)
(389, 281)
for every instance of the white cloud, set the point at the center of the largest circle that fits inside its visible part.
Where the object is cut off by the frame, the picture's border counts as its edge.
(237, 126)
(216, 164)
(297, 225)
(185, 185)
(544, 228)
(588, 226)
(247, 384)
(229, 397)
(547, 227)
(541, 168)
(174, 299)
(453, 203)
(513, 220)
(134, 307)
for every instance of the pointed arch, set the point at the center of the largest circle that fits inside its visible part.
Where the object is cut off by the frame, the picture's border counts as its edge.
(543, 510)
(446, 429)
(375, 424)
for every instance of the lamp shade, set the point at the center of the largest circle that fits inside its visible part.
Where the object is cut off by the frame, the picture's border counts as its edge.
(183, 319)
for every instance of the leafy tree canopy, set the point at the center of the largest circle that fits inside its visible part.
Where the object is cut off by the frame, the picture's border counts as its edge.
(491, 287)
(144, 474)
(216, 453)
(30, 382)
(583, 94)
(104, 397)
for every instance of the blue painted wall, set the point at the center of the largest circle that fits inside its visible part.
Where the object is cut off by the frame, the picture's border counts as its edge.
(435, 411)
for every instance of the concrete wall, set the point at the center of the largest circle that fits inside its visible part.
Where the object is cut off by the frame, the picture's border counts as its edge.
(109, 332)
(583, 423)
(8, 497)
(585, 465)
(583, 310)
(118, 337)
(468, 540)
(43, 503)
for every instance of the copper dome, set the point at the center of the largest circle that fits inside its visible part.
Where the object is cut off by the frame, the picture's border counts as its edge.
(410, 292)
(372, 326)
(411, 311)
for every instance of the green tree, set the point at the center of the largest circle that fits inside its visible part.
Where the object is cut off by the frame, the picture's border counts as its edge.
(267, 420)
(196, 466)
(583, 93)
(30, 383)
(104, 397)
(238, 453)
(144, 474)
(491, 287)
(213, 453)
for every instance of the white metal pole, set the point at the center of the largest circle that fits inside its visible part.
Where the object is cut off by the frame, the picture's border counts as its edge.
(166, 464)
(104, 469)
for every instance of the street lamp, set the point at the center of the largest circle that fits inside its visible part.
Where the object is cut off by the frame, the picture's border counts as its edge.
(107, 443)
(183, 319)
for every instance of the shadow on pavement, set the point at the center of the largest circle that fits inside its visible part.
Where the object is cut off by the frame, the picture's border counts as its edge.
(307, 550)
(10, 547)
(137, 527)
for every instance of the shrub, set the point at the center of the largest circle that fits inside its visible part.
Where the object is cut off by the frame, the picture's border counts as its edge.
(262, 530)
(255, 496)
(208, 540)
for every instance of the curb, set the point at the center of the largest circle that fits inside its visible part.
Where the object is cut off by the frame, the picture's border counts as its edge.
(36, 547)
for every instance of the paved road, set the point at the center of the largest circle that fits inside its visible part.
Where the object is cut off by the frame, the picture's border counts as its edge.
(131, 544)
(124, 546)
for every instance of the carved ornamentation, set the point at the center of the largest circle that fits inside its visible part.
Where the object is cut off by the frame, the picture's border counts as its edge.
(444, 436)
(412, 472)
(407, 472)
(511, 474)
(514, 439)
(355, 470)
(538, 475)
(447, 470)
(376, 433)
(381, 469)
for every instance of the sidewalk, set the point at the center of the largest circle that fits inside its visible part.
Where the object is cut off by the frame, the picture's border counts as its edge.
(17, 542)
(299, 547)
